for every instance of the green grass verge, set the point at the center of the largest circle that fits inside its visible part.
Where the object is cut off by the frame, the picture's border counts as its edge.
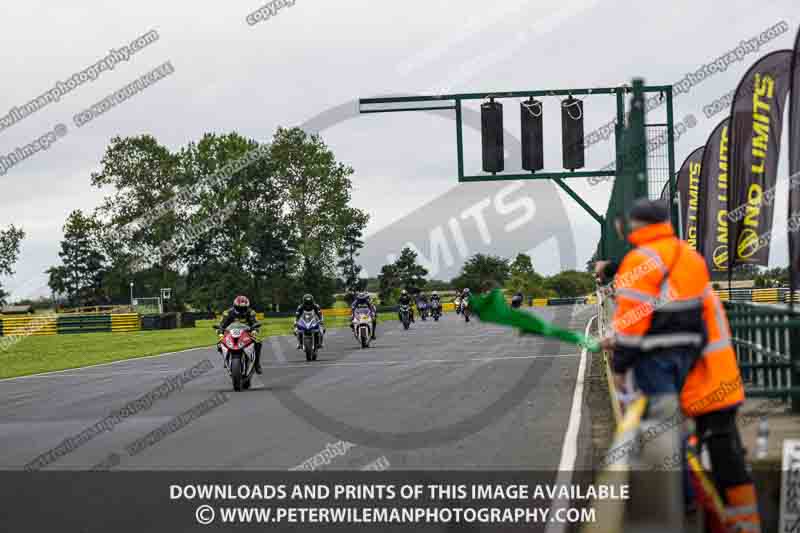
(33, 355)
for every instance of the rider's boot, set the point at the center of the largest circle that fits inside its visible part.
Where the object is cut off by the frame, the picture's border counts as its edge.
(258, 358)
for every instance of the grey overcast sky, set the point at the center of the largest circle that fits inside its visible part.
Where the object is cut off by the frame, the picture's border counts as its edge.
(315, 55)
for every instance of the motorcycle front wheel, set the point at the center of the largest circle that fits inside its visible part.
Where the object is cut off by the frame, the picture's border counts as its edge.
(308, 344)
(236, 373)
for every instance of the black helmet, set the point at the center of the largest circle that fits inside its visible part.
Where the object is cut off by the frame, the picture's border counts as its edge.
(649, 211)
(308, 300)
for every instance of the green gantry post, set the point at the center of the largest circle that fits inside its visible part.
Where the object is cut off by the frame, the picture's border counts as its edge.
(671, 157)
(794, 356)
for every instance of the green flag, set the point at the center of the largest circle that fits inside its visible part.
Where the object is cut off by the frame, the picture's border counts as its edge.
(493, 308)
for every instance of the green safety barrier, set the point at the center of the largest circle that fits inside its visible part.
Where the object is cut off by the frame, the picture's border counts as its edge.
(70, 324)
(767, 342)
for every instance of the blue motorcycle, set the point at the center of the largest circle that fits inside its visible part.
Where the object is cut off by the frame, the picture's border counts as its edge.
(309, 331)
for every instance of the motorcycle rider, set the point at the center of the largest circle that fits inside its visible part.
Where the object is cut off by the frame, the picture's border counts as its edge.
(309, 305)
(516, 300)
(241, 312)
(362, 299)
(405, 299)
(436, 301)
(423, 298)
(464, 296)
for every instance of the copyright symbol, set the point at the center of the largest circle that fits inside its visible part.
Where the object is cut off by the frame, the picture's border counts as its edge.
(204, 515)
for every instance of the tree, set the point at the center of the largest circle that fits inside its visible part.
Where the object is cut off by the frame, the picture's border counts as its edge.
(226, 215)
(348, 254)
(317, 191)
(389, 281)
(483, 272)
(571, 283)
(524, 279)
(139, 214)
(234, 239)
(80, 274)
(10, 240)
(410, 274)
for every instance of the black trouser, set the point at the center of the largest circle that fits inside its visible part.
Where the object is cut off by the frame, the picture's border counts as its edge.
(717, 430)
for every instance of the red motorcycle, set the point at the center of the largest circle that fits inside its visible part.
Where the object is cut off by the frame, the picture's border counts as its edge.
(238, 348)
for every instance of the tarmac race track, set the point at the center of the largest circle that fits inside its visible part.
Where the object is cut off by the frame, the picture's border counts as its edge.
(446, 395)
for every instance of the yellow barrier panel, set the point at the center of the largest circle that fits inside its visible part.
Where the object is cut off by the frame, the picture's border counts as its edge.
(125, 322)
(766, 296)
(30, 325)
(540, 302)
(336, 311)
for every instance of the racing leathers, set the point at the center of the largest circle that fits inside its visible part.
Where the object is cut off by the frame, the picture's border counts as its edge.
(248, 317)
(364, 302)
(405, 299)
(303, 308)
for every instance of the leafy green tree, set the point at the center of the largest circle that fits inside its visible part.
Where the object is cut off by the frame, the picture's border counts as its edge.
(523, 278)
(410, 274)
(318, 189)
(571, 283)
(348, 255)
(389, 281)
(80, 274)
(482, 272)
(140, 216)
(10, 240)
(233, 239)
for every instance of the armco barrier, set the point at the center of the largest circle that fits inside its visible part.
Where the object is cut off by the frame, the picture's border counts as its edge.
(126, 322)
(65, 324)
(766, 296)
(68, 324)
(566, 301)
(25, 326)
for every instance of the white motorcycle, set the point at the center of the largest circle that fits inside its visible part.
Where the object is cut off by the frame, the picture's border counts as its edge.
(465, 311)
(362, 325)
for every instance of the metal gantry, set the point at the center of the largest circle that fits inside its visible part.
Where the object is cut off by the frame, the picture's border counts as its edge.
(630, 147)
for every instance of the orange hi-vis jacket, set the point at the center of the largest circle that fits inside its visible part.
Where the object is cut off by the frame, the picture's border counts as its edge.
(664, 301)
